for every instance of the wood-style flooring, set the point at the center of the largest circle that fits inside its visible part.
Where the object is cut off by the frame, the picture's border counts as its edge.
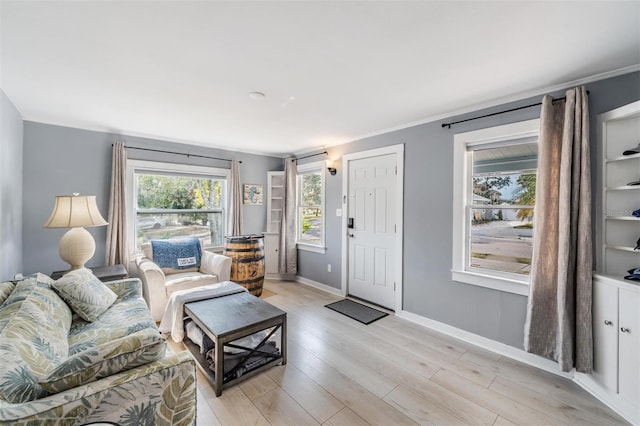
(391, 372)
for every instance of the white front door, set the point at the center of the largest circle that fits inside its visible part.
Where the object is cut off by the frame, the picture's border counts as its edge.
(371, 229)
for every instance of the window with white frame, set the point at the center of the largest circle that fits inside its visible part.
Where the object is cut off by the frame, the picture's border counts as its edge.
(310, 206)
(494, 203)
(176, 201)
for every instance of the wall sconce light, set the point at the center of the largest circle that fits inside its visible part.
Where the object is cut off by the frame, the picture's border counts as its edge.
(332, 170)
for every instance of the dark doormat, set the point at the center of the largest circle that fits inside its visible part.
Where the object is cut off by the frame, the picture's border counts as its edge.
(355, 310)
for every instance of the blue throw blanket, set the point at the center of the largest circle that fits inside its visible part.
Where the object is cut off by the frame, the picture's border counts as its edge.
(183, 253)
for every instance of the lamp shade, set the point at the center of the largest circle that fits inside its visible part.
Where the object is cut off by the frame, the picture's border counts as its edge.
(72, 211)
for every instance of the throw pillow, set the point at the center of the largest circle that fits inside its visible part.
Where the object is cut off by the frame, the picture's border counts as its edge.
(178, 255)
(85, 294)
(33, 340)
(5, 290)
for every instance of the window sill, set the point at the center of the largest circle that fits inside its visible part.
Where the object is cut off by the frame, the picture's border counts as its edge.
(311, 248)
(491, 281)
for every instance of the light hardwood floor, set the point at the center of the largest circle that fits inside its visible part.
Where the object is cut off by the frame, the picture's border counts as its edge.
(391, 372)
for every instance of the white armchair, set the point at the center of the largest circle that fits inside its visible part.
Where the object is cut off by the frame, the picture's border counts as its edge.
(157, 285)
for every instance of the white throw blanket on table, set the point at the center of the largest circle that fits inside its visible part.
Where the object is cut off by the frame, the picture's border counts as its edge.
(173, 318)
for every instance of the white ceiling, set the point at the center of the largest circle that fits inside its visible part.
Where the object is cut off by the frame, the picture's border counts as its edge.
(332, 71)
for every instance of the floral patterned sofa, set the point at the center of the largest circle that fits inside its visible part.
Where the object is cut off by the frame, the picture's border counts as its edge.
(78, 351)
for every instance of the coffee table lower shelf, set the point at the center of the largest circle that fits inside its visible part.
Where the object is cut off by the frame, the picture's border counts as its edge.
(202, 363)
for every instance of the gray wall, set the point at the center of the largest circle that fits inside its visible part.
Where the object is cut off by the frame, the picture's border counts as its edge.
(10, 189)
(428, 288)
(62, 160)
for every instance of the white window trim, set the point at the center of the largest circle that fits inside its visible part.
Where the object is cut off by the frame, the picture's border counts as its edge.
(461, 190)
(156, 166)
(316, 166)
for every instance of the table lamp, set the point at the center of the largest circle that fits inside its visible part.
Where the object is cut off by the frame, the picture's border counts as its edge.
(76, 211)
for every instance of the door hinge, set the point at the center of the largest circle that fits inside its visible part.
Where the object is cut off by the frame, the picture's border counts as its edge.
(394, 286)
(396, 171)
(395, 228)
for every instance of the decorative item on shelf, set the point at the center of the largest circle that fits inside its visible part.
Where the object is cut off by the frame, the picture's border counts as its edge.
(637, 247)
(636, 213)
(76, 211)
(253, 194)
(632, 151)
(634, 274)
(332, 170)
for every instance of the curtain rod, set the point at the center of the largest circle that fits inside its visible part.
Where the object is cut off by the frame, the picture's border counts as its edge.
(308, 156)
(177, 153)
(448, 125)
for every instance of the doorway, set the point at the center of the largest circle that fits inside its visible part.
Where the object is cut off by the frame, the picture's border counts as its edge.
(372, 238)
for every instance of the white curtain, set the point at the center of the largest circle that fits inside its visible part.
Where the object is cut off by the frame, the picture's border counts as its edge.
(558, 324)
(117, 227)
(234, 217)
(288, 250)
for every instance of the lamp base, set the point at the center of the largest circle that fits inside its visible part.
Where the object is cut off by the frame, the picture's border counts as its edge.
(76, 247)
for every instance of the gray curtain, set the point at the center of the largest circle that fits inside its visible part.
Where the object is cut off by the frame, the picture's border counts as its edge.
(288, 250)
(234, 217)
(558, 324)
(117, 227)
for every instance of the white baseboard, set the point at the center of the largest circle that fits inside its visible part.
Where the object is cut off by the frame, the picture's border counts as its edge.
(486, 343)
(319, 286)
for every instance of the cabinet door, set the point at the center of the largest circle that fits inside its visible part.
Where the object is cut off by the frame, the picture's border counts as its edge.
(271, 253)
(605, 335)
(629, 359)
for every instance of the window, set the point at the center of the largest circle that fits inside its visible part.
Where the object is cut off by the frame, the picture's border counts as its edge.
(494, 203)
(310, 207)
(176, 201)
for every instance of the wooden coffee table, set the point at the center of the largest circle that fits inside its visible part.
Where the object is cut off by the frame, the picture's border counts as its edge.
(228, 318)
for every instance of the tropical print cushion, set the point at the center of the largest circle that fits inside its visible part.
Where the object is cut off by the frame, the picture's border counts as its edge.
(25, 287)
(33, 340)
(5, 290)
(127, 316)
(160, 393)
(85, 294)
(117, 355)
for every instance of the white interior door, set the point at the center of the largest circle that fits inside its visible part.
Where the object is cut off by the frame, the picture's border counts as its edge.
(371, 238)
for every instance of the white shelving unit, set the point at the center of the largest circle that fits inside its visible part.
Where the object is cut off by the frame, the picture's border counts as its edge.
(275, 204)
(619, 130)
(275, 200)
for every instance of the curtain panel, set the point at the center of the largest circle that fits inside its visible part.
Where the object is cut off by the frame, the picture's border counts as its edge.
(234, 217)
(288, 231)
(559, 318)
(116, 251)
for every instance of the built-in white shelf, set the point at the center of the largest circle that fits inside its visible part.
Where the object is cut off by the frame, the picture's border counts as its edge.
(632, 218)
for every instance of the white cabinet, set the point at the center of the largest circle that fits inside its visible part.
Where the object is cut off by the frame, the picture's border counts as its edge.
(616, 336)
(271, 253)
(605, 334)
(618, 229)
(629, 344)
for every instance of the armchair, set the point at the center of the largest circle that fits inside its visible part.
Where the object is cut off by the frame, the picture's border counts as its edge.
(158, 283)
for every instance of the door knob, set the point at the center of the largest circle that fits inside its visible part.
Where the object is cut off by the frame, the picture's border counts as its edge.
(625, 330)
(607, 322)
(351, 235)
